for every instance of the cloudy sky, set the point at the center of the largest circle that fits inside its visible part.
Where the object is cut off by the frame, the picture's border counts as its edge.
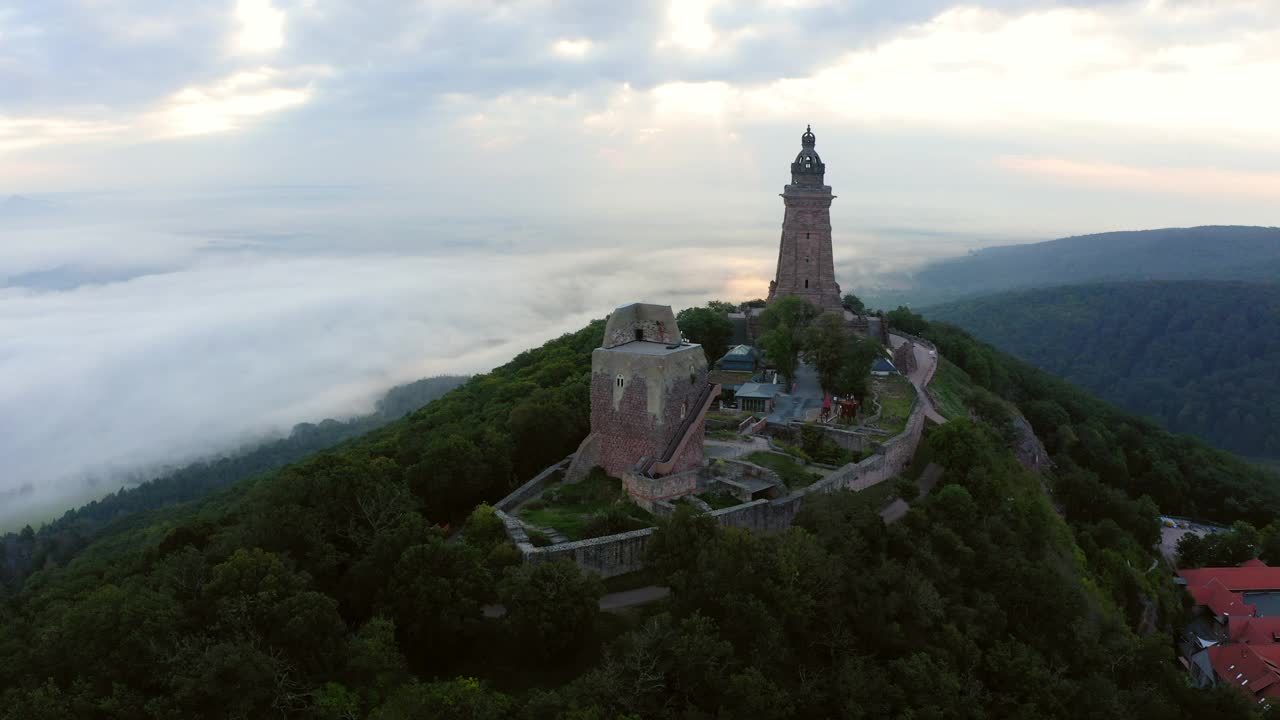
(221, 218)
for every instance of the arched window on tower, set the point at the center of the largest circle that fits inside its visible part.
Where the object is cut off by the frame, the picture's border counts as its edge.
(806, 283)
(621, 381)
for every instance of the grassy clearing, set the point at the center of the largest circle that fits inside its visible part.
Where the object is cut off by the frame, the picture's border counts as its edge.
(794, 474)
(726, 435)
(950, 387)
(719, 500)
(594, 507)
(725, 420)
(897, 396)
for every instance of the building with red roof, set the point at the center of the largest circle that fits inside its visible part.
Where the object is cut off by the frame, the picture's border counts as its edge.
(1236, 640)
(1254, 630)
(1253, 576)
(1222, 590)
(1253, 669)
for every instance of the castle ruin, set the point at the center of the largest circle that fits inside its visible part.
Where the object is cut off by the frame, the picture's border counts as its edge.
(649, 399)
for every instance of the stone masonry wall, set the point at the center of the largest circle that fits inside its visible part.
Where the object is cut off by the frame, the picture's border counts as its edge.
(690, 457)
(645, 491)
(531, 488)
(806, 267)
(650, 330)
(627, 433)
(904, 358)
(631, 430)
(606, 556)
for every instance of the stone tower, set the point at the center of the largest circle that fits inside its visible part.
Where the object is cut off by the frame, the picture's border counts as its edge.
(649, 398)
(805, 265)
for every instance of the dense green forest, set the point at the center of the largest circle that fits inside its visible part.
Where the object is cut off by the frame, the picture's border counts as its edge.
(56, 542)
(1201, 358)
(1199, 253)
(326, 589)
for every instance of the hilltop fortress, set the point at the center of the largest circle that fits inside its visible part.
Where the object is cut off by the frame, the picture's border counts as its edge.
(652, 393)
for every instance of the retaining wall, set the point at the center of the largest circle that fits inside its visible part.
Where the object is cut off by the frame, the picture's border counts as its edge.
(531, 488)
(607, 556)
(645, 491)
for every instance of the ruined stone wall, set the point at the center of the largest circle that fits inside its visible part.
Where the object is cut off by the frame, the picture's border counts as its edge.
(904, 358)
(692, 455)
(656, 323)
(607, 556)
(640, 418)
(650, 330)
(625, 432)
(531, 488)
(901, 448)
(645, 491)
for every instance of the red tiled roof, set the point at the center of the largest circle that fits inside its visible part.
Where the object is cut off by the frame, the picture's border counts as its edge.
(1255, 631)
(1220, 600)
(1252, 669)
(1253, 562)
(1250, 578)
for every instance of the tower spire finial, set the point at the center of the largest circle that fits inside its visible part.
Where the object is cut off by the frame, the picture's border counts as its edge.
(807, 139)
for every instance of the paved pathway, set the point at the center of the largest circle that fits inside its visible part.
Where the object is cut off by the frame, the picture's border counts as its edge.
(806, 397)
(608, 603)
(632, 598)
(734, 450)
(896, 509)
(926, 365)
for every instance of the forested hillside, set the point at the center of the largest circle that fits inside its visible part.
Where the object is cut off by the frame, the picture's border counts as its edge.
(1198, 253)
(327, 590)
(1201, 358)
(57, 542)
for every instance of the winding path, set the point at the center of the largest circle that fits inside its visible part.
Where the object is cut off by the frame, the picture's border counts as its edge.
(926, 366)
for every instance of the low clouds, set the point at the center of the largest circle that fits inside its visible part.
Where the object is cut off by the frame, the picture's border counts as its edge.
(202, 340)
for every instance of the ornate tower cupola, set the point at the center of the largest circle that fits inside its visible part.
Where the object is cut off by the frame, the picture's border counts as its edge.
(806, 268)
(808, 168)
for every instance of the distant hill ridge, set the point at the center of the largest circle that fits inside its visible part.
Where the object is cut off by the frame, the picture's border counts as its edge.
(1211, 252)
(1202, 357)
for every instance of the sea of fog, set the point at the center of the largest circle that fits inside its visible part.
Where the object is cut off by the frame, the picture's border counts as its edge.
(139, 331)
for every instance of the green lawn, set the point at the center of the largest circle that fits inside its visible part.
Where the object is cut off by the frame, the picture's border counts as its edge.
(794, 474)
(724, 420)
(719, 500)
(726, 435)
(594, 507)
(897, 396)
(950, 386)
